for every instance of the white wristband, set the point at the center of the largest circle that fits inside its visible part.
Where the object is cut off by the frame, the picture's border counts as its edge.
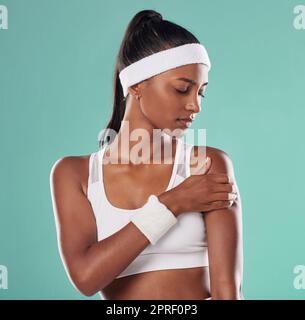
(154, 220)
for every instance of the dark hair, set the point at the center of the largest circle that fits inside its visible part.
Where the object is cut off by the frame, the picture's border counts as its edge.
(146, 33)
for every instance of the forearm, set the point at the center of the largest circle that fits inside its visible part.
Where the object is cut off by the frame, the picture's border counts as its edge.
(104, 260)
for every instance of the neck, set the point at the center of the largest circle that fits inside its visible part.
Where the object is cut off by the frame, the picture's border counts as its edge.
(154, 148)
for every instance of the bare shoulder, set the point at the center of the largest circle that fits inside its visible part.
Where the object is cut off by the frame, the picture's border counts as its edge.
(74, 168)
(221, 161)
(68, 165)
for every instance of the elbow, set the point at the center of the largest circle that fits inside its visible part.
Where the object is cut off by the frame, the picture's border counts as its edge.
(84, 285)
(87, 293)
(84, 276)
(85, 288)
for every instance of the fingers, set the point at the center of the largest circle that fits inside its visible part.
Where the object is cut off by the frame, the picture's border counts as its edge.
(208, 164)
(202, 168)
(219, 205)
(222, 196)
(224, 187)
(221, 178)
(217, 177)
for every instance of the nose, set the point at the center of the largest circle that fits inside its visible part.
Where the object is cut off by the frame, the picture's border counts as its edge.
(194, 107)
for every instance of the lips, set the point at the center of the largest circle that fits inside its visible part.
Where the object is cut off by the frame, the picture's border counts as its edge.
(186, 119)
(186, 122)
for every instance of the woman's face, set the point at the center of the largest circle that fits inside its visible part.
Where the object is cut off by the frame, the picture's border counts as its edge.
(173, 94)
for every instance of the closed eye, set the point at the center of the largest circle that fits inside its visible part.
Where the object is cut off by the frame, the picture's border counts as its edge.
(200, 93)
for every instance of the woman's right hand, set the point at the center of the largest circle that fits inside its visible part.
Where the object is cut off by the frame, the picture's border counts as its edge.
(201, 192)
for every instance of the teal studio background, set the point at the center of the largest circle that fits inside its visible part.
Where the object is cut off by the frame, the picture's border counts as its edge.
(56, 67)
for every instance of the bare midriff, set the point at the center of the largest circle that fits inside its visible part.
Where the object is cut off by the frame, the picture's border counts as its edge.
(171, 284)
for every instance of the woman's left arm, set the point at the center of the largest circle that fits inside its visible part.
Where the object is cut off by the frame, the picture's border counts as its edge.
(224, 236)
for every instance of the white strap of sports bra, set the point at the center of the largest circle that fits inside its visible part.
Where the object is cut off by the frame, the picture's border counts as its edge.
(154, 220)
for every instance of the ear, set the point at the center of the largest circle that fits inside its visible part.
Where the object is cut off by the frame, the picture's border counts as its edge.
(134, 90)
(138, 88)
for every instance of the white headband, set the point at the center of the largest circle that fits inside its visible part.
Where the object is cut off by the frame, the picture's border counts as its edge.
(161, 61)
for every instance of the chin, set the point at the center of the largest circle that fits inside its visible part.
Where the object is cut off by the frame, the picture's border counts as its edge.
(174, 131)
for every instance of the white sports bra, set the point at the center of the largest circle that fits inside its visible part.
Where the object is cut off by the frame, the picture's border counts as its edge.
(183, 246)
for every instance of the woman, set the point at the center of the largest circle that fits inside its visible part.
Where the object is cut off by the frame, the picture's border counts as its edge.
(185, 242)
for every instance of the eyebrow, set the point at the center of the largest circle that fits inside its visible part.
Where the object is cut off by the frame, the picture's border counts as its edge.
(190, 81)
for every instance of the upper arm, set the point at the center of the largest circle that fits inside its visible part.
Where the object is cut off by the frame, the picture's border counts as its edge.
(224, 233)
(75, 222)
